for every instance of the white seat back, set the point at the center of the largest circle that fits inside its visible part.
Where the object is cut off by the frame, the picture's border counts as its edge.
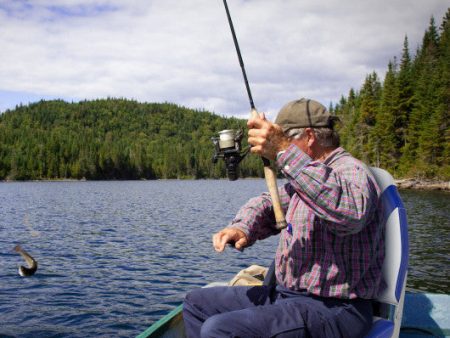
(395, 266)
(396, 240)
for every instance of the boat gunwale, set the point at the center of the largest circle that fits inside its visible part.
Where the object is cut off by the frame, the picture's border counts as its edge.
(162, 322)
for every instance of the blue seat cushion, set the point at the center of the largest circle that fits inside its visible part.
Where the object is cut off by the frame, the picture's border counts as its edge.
(381, 328)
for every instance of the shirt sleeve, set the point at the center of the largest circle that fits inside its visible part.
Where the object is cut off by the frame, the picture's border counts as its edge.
(257, 219)
(344, 196)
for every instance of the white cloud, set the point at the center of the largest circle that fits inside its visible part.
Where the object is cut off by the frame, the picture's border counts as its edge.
(182, 51)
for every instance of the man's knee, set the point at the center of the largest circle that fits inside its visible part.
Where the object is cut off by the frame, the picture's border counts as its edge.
(191, 297)
(215, 326)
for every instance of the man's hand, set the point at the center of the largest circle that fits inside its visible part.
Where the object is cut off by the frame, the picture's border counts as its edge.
(266, 138)
(229, 235)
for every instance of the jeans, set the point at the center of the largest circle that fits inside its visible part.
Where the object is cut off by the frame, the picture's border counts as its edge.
(262, 311)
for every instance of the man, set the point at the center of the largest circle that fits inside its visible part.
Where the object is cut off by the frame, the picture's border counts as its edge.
(329, 258)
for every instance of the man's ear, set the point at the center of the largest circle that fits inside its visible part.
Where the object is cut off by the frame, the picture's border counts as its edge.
(311, 137)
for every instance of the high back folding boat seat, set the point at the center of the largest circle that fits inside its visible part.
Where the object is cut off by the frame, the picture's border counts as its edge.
(389, 304)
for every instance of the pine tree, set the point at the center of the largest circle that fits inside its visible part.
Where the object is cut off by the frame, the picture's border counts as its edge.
(405, 96)
(370, 101)
(348, 112)
(382, 138)
(443, 110)
(418, 152)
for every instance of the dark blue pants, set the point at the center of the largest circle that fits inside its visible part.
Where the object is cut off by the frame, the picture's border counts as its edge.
(261, 311)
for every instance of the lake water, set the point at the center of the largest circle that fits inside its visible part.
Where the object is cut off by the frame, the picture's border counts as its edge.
(116, 256)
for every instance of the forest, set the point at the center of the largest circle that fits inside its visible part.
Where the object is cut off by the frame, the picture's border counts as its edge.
(400, 124)
(112, 139)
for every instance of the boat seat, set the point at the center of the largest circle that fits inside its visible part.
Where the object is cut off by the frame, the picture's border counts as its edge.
(389, 303)
(381, 328)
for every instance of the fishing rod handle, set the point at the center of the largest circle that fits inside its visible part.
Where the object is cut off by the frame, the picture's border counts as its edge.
(271, 182)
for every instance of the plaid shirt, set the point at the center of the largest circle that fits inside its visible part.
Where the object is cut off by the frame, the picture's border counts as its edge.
(334, 243)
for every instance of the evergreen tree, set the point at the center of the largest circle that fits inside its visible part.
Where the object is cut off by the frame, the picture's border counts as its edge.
(419, 150)
(405, 97)
(405, 128)
(370, 101)
(383, 137)
(348, 112)
(442, 117)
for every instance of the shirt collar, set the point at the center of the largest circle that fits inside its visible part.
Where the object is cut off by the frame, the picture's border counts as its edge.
(335, 155)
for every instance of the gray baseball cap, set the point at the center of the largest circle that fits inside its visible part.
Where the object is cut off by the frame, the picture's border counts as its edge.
(304, 113)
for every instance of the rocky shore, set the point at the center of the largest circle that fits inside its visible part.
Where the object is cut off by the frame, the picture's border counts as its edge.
(418, 184)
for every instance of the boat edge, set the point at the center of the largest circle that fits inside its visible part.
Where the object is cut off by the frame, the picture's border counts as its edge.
(164, 321)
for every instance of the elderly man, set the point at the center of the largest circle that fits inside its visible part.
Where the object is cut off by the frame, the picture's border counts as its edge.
(329, 258)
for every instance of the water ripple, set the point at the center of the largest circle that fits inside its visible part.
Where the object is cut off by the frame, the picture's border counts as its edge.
(115, 256)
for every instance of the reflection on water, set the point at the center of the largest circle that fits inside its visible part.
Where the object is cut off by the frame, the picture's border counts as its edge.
(429, 234)
(115, 256)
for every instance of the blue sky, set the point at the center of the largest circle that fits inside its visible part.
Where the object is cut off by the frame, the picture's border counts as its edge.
(182, 51)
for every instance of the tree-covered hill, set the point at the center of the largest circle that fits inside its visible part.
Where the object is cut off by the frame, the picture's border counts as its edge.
(402, 124)
(112, 139)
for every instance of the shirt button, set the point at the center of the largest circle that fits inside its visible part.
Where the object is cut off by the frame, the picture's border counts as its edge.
(286, 167)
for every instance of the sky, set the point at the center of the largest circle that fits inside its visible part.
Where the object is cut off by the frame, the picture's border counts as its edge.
(182, 51)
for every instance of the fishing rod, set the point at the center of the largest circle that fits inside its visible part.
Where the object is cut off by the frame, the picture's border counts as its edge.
(269, 173)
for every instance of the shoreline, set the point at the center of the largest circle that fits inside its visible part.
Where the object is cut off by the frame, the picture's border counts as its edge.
(402, 183)
(419, 184)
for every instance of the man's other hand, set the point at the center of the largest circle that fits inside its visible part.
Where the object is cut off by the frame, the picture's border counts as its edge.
(231, 236)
